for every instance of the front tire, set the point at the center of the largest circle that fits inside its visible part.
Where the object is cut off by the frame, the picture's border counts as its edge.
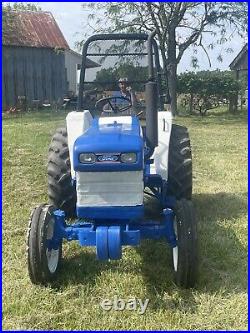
(44, 257)
(184, 255)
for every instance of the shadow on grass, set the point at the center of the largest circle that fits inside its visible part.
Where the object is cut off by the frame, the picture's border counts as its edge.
(82, 268)
(223, 259)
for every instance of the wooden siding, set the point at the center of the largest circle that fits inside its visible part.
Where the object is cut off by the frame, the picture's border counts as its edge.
(36, 73)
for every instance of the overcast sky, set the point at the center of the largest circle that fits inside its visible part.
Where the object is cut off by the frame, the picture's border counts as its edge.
(71, 18)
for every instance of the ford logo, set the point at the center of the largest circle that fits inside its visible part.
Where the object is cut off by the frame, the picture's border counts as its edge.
(107, 158)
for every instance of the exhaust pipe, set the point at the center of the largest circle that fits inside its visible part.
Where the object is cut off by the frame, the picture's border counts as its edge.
(151, 99)
(151, 115)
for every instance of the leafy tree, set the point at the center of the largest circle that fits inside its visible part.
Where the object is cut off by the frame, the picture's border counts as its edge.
(106, 79)
(206, 89)
(110, 76)
(189, 84)
(21, 6)
(178, 25)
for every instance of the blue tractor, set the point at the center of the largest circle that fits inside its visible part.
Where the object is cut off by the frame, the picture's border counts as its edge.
(98, 171)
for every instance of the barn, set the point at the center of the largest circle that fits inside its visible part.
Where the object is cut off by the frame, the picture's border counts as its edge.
(240, 62)
(240, 66)
(37, 63)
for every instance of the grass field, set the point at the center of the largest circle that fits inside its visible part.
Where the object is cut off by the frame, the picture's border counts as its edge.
(219, 143)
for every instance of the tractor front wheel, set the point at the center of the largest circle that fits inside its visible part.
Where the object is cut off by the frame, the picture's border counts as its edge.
(185, 259)
(44, 253)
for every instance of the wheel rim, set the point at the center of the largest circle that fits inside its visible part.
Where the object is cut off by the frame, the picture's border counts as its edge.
(175, 249)
(52, 259)
(51, 254)
(175, 257)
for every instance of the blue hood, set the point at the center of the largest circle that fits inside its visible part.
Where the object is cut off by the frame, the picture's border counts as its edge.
(113, 137)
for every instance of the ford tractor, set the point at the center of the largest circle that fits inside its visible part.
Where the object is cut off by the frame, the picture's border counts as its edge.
(99, 168)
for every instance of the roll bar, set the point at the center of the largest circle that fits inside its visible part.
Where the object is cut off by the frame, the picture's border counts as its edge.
(152, 50)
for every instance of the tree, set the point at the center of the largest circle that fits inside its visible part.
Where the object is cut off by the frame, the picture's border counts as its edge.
(110, 76)
(178, 25)
(106, 79)
(207, 90)
(20, 6)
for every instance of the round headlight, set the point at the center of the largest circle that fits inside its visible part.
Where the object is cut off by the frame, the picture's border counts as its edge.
(128, 158)
(87, 158)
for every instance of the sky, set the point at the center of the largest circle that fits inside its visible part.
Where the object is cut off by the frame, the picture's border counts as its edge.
(72, 18)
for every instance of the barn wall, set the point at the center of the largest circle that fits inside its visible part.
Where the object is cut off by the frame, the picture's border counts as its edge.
(243, 65)
(36, 73)
(71, 62)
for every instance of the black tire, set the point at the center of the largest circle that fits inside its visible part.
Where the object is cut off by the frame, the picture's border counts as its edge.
(43, 263)
(186, 266)
(62, 193)
(180, 163)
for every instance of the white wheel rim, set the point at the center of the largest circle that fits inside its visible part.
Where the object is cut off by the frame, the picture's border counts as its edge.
(175, 257)
(175, 249)
(52, 255)
(52, 259)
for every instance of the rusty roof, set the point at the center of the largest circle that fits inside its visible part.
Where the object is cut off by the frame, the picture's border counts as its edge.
(32, 29)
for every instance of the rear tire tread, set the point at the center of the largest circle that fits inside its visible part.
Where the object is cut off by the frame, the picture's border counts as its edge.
(180, 163)
(62, 193)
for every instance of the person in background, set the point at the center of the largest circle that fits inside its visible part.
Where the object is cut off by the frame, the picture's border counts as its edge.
(127, 92)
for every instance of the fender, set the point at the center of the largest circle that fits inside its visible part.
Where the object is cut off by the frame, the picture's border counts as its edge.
(77, 123)
(160, 155)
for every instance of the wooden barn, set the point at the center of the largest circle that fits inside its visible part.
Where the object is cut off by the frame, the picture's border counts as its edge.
(34, 68)
(240, 62)
(240, 66)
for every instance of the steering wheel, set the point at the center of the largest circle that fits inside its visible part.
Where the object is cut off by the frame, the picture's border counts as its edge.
(111, 101)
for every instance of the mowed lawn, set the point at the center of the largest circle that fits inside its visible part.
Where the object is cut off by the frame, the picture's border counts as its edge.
(219, 144)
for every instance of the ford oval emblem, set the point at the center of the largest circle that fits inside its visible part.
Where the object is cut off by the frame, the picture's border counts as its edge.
(107, 158)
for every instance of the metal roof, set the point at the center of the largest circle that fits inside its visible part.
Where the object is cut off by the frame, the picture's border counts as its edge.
(243, 53)
(32, 29)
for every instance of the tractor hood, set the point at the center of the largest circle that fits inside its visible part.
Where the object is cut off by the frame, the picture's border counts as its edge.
(108, 138)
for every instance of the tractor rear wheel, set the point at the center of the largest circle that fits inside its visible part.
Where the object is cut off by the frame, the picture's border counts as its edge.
(184, 255)
(179, 163)
(62, 193)
(44, 253)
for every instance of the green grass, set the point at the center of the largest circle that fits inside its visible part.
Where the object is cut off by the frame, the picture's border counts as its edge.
(219, 143)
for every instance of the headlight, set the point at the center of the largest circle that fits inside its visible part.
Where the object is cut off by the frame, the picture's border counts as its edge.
(87, 158)
(128, 157)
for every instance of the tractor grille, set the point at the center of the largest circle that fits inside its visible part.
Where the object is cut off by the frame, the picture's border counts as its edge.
(99, 189)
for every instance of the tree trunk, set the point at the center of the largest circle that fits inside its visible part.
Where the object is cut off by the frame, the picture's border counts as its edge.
(172, 69)
(172, 82)
(233, 103)
(191, 102)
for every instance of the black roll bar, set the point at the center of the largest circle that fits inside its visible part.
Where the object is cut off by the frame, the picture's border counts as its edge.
(152, 50)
